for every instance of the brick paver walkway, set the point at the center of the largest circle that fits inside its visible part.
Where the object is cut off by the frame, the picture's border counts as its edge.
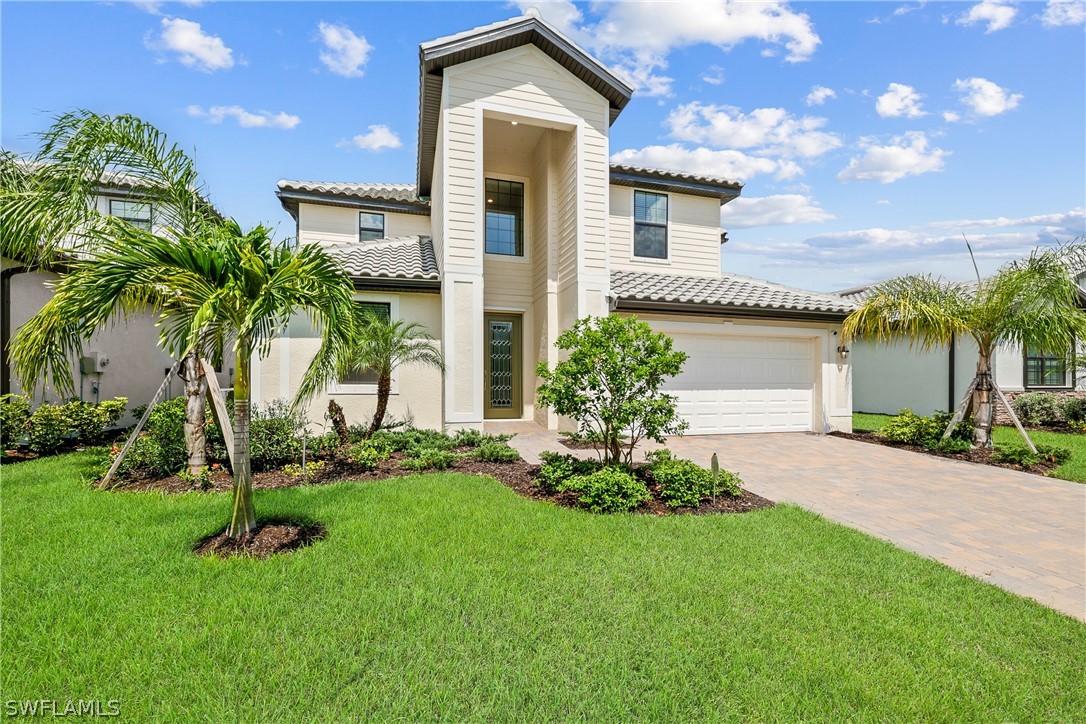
(1023, 532)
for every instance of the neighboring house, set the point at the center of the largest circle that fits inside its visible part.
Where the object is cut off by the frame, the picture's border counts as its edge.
(889, 377)
(518, 225)
(121, 361)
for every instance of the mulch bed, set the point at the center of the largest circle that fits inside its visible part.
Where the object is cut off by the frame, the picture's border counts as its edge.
(519, 476)
(268, 539)
(980, 456)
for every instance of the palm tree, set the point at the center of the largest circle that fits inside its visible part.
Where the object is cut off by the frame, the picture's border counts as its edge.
(48, 218)
(381, 345)
(1032, 303)
(208, 289)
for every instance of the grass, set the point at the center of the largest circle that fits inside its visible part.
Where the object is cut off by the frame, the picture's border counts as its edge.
(447, 596)
(1074, 469)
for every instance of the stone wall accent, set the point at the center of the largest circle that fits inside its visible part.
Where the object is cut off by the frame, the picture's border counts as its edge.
(1001, 416)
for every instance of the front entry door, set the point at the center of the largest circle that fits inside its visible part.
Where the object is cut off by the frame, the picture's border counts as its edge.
(503, 366)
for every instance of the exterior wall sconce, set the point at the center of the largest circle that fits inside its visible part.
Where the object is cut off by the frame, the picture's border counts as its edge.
(843, 351)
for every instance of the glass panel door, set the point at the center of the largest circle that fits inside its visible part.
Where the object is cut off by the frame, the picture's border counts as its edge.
(503, 373)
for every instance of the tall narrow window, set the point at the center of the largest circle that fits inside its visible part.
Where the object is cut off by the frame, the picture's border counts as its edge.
(370, 226)
(368, 376)
(650, 225)
(504, 217)
(1045, 370)
(136, 213)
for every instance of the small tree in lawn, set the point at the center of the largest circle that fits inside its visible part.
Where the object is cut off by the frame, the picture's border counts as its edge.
(610, 383)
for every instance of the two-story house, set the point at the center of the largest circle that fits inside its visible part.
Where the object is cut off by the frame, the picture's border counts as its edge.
(518, 225)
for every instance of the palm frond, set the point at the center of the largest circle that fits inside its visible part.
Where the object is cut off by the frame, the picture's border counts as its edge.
(923, 310)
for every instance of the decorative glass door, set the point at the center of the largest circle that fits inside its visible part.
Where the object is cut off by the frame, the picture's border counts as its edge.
(503, 373)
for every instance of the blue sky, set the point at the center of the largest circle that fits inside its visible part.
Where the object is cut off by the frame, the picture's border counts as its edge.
(870, 136)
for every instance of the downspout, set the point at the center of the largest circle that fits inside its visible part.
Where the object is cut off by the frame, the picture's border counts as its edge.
(951, 400)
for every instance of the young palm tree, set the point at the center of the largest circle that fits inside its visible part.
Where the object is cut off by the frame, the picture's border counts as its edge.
(209, 289)
(1031, 303)
(48, 217)
(382, 345)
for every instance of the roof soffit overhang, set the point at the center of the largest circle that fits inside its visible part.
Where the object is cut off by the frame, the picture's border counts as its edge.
(436, 56)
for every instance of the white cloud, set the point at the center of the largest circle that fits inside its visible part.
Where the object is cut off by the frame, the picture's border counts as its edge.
(773, 131)
(636, 37)
(344, 52)
(907, 155)
(379, 138)
(246, 119)
(777, 210)
(714, 75)
(820, 94)
(883, 202)
(996, 13)
(1064, 12)
(890, 252)
(194, 47)
(899, 100)
(986, 98)
(727, 164)
(951, 117)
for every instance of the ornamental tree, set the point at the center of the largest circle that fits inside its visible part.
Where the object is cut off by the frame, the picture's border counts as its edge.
(610, 383)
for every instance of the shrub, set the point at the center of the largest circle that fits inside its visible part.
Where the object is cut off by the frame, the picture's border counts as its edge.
(428, 459)
(14, 414)
(295, 470)
(89, 422)
(685, 484)
(609, 490)
(1054, 454)
(274, 436)
(1037, 408)
(556, 469)
(1022, 455)
(369, 453)
(404, 440)
(474, 438)
(491, 451)
(160, 450)
(202, 480)
(912, 429)
(962, 431)
(321, 445)
(1073, 410)
(48, 428)
(611, 381)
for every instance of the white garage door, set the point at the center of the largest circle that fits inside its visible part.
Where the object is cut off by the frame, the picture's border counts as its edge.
(733, 383)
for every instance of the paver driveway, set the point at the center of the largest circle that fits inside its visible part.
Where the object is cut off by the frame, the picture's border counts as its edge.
(1023, 532)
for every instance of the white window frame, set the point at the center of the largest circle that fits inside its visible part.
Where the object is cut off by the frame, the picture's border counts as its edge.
(665, 261)
(526, 257)
(354, 388)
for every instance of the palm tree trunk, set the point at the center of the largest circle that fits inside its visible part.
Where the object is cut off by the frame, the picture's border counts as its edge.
(384, 389)
(339, 423)
(195, 413)
(983, 411)
(243, 518)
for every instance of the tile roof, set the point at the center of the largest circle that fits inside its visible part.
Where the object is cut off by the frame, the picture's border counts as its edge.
(727, 290)
(667, 175)
(364, 191)
(402, 257)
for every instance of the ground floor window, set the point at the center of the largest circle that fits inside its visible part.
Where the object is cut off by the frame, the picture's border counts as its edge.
(1044, 369)
(368, 376)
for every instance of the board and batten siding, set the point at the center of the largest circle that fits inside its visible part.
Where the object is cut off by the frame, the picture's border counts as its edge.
(319, 224)
(693, 238)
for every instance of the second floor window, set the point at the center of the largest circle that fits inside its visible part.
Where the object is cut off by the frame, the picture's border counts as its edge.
(504, 217)
(134, 212)
(370, 226)
(650, 225)
(368, 376)
(1045, 370)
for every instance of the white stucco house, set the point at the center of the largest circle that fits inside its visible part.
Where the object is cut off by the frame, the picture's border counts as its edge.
(518, 224)
(889, 377)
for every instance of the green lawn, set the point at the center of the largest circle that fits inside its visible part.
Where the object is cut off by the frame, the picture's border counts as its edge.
(1074, 469)
(450, 597)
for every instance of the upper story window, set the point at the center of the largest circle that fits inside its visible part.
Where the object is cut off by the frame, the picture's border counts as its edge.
(368, 376)
(1044, 369)
(650, 225)
(136, 213)
(504, 217)
(370, 226)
